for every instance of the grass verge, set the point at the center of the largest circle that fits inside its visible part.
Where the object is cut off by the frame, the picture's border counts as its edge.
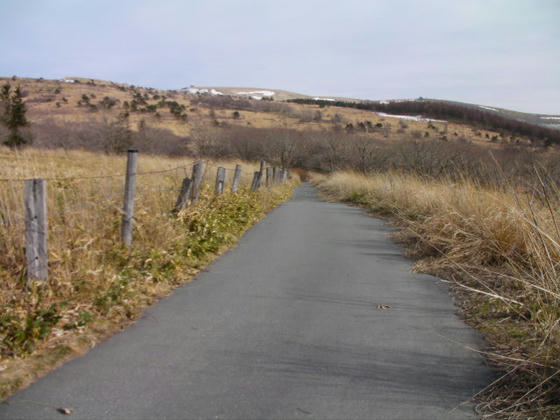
(96, 286)
(500, 249)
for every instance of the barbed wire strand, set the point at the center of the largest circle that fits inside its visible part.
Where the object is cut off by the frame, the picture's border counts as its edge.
(145, 190)
(19, 218)
(78, 178)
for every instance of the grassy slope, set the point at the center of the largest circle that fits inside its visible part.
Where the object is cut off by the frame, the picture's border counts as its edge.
(500, 249)
(41, 101)
(95, 285)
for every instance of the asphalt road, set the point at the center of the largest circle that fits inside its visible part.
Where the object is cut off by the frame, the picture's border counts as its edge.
(289, 324)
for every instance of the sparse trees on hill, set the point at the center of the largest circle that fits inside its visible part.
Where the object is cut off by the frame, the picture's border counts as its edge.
(108, 102)
(13, 115)
(463, 113)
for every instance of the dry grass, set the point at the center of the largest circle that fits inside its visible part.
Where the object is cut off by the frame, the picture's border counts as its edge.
(95, 284)
(42, 108)
(501, 249)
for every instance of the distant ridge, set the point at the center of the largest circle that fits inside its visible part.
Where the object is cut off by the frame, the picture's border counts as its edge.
(277, 94)
(543, 120)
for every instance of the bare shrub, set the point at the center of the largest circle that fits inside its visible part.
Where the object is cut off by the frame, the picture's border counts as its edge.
(241, 104)
(110, 136)
(305, 116)
(337, 119)
(160, 141)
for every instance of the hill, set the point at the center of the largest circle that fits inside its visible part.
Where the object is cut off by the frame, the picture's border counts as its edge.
(545, 120)
(96, 114)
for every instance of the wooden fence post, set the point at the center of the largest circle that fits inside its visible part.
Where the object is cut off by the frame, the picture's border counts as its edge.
(184, 196)
(129, 191)
(255, 182)
(197, 173)
(220, 180)
(236, 179)
(36, 229)
(260, 179)
(269, 175)
(276, 175)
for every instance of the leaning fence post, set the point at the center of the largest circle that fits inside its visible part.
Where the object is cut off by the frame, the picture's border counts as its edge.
(269, 175)
(129, 190)
(261, 174)
(197, 173)
(36, 229)
(276, 175)
(184, 196)
(255, 182)
(220, 180)
(236, 179)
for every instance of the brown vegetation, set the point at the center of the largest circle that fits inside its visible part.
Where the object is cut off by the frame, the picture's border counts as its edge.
(498, 243)
(465, 113)
(478, 205)
(95, 284)
(86, 102)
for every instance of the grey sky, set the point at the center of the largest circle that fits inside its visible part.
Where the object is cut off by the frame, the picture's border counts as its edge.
(494, 52)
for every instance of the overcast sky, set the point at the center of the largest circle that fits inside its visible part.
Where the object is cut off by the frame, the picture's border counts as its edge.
(494, 52)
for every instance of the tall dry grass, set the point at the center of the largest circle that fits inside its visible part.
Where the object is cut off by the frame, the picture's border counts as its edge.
(95, 284)
(85, 192)
(500, 246)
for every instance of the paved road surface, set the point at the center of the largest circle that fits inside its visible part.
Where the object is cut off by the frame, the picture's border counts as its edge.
(286, 325)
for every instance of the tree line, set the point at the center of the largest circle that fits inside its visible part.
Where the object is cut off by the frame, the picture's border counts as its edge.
(462, 113)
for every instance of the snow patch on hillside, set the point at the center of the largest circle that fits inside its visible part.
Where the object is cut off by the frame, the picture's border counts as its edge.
(261, 93)
(324, 99)
(550, 118)
(408, 117)
(194, 90)
(488, 108)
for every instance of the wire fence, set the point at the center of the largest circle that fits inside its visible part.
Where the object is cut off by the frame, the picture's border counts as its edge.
(24, 221)
(10, 217)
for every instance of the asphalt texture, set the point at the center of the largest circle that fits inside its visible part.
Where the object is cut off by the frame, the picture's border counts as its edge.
(314, 315)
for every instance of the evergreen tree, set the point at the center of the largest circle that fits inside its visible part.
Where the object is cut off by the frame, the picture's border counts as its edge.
(5, 103)
(17, 111)
(13, 115)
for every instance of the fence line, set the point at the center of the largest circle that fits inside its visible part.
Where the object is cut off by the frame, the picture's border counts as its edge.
(80, 178)
(21, 218)
(35, 200)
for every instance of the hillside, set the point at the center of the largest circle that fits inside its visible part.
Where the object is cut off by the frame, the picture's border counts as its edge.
(76, 112)
(545, 120)
(477, 206)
